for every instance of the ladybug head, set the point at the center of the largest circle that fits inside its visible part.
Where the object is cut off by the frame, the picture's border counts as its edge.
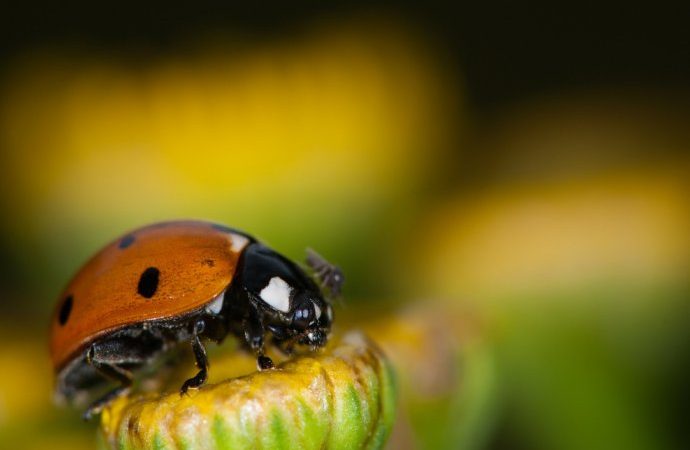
(311, 316)
(296, 312)
(292, 305)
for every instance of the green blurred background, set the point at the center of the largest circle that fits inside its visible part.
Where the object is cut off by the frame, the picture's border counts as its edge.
(505, 187)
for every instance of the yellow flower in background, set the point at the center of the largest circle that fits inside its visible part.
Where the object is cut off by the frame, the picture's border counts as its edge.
(307, 137)
(577, 190)
(627, 228)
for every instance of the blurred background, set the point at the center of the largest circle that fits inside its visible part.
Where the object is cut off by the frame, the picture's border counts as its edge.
(505, 187)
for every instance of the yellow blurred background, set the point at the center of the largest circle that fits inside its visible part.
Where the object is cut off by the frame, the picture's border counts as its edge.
(539, 213)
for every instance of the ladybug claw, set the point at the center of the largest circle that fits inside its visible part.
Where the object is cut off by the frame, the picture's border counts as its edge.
(264, 363)
(89, 413)
(194, 382)
(184, 390)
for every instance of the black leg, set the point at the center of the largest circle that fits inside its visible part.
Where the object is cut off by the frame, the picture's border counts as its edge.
(201, 360)
(109, 371)
(254, 335)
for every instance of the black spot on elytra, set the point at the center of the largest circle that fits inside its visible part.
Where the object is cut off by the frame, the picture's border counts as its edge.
(148, 282)
(65, 310)
(127, 241)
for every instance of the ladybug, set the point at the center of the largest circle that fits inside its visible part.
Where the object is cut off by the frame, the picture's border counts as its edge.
(182, 282)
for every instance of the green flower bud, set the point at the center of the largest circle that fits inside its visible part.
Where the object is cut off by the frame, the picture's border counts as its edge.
(340, 398)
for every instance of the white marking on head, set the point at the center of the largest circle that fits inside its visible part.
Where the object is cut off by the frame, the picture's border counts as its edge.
(238, 242)
(277, 294)
(216, 304)
(317, 310)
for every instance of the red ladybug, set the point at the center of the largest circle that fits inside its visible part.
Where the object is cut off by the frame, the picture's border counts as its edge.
(175, 282)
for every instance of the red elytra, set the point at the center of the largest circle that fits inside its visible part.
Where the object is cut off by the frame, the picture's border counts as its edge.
(156, 272)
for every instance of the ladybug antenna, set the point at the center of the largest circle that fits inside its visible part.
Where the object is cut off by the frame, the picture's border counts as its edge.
(329, 275)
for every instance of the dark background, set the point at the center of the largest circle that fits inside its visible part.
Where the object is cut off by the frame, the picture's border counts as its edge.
(507, 50)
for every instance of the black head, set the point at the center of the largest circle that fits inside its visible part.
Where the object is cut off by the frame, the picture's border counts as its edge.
(292, 305)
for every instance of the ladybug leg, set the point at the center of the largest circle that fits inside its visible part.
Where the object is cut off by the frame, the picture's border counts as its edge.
(254, 332)
(200, 357)
(215, 329)
(110, 371)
